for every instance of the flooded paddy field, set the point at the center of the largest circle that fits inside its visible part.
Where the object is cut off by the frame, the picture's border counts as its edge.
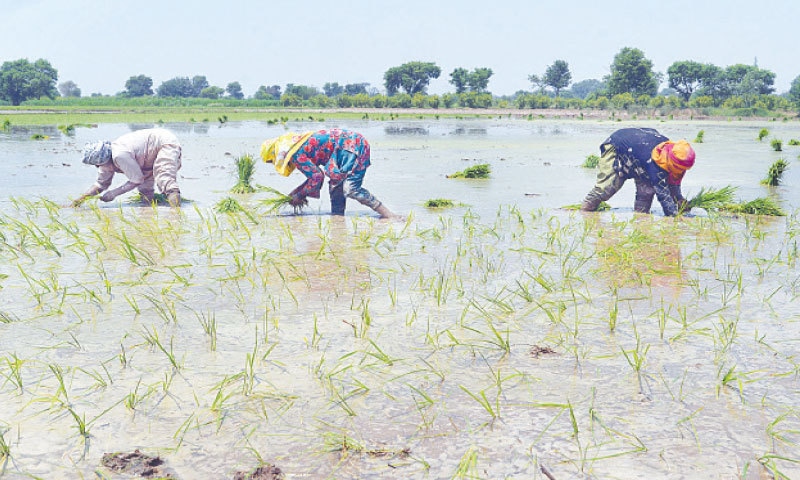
(506, 337)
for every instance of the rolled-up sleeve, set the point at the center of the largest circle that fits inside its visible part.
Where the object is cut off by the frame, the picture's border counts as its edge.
(105, 174)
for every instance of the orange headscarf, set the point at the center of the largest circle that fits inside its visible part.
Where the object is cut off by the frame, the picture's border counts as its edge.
(675, 158)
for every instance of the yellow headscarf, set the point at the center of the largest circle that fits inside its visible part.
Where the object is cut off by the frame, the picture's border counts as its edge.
(279, 151)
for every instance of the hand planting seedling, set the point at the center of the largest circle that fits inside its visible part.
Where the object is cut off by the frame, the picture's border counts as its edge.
(278, 200)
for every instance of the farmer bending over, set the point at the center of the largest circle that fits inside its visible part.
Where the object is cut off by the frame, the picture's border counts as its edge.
(656, 164)
(341, 155)
(146, 157)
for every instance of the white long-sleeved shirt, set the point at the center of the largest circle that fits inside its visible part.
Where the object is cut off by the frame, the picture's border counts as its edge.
(133, 153)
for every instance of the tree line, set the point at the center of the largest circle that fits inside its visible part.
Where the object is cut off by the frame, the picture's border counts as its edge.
(631, 81)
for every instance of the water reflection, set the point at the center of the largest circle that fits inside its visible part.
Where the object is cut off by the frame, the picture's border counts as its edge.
(469, 131)
(405, 130)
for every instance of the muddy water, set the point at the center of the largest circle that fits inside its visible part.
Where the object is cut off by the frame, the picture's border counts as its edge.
(491, 339)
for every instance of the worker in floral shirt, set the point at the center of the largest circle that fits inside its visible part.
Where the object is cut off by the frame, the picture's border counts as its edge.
(653, 161)
(341, 155)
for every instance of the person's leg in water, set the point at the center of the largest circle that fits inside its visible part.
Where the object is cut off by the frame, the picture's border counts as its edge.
(608, 181)
(338, 200)
(644, 196)
(165, 171)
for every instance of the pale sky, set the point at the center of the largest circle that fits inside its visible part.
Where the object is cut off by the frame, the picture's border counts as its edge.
(99, 44)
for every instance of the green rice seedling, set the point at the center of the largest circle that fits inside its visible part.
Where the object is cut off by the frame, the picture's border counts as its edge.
(131, 400)
(759, 206)
(14, 374)
(67, 129)
(152, 339)
(245, 167)
(6, 125)
(439, 203)
(793, 142)
(762, 134)
(5, 451)
(591, 161)
(699, 137)
(480, 397)
(468, 465)
(712, 198)
(7, 317)
(209, 323)
(775, 173)
(61, 389)
(481, 170)
(279, 200)
(39, 136)
(636, 358)
(776, 144)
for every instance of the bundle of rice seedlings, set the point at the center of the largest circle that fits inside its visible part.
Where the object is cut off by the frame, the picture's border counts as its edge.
(591, 161)
(712, 198)
(481, 170)
(775, 173)
(278, 201)
(439, 203)
(577, 206)
(245, 166)
(759, 206)
(231, 205)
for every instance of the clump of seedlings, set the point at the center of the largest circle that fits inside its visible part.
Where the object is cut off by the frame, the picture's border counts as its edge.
(758, 206)
(439, 203)
(762, 134)
(229, 205)
(591, 161)
(482, 170)
(793, 142)
(699, 137)
(245, 166)
(278, 200)
(602, 207)
(775, 173)
(777, 144)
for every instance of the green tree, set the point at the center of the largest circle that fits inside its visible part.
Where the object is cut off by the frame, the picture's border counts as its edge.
(584, 88)
(69, 89)
(21, 80)
(199, 83)
(413, 77)
(356, 89)
(537, 82)
(304, 92)
(332, 89)
(557, 76)
(211, 92)
(234, 90)
(139, 86)
(268, 93)
(478, 79)
(688, 76)
(632, 72)
(794, 91)
(176, 87)
(459, 78)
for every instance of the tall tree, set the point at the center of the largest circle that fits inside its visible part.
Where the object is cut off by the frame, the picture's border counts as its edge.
(268, 93)
(176, 87)
(199, 82)
(332, 89)
(302, 91)
(356, 88)
(139, 86)
(632, 72)
(413, 77)
(21, 80)
(459, 78)
(69, 89)
(478, 79)
(211, 92)
(234, 90)
(688, 76)
(557, 76)
(794, 91)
